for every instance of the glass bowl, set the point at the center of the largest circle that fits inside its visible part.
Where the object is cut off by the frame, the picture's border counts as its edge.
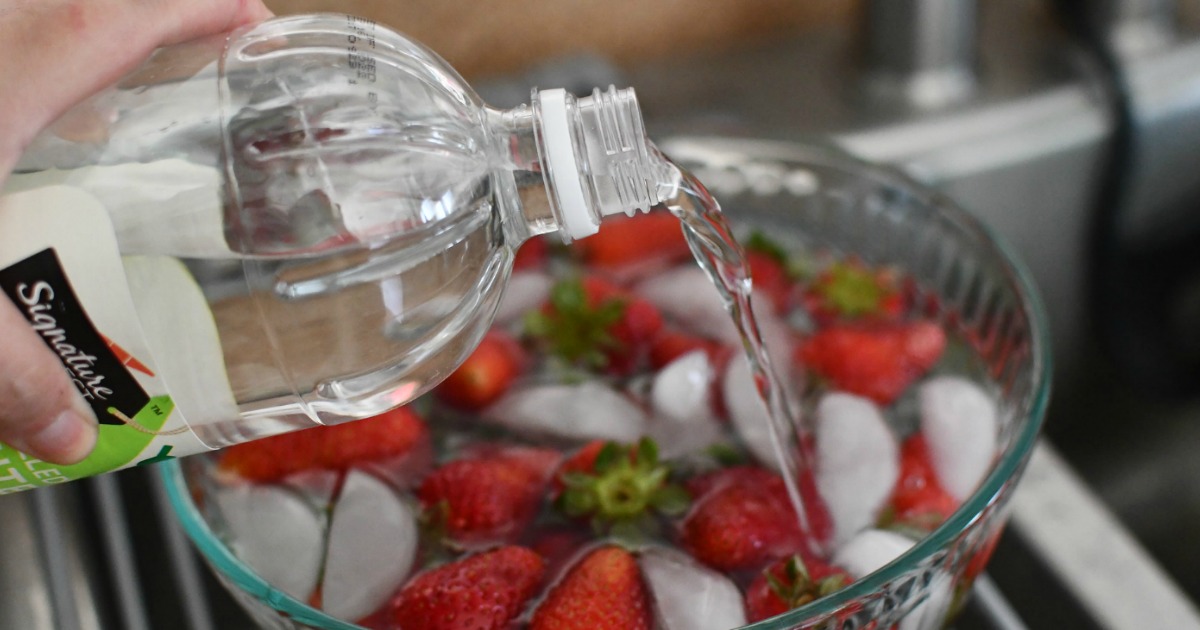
(970, 281)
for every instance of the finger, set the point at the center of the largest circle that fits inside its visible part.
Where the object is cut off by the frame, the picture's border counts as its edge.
(58, 52)
(40, 412)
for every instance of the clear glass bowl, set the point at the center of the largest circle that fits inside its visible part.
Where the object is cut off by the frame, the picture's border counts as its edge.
(837, 204)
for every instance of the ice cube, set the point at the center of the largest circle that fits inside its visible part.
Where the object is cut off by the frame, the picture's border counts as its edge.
(688, 296)
(318, 485)
(526, 291)
(858, 461)
(959, 421)
(869, 550)
(586, 411)
(372, 545)
(681, 397)
(688, 596)
(748, 413)
(276, 532)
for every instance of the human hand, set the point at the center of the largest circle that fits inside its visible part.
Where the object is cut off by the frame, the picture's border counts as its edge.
(53, 54)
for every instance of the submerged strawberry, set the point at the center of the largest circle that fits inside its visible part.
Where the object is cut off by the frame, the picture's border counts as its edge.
(603, 591)
(619, 487)
(878, 361)
(596, 324)
(650, 239)
(790, 583)
(396, 433)
(742, 519)
(486, 374)
(851, 290)
(489, 496)
(919, 500)
(482, 592)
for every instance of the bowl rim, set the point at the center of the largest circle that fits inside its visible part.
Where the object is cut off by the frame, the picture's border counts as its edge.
(1007, 468)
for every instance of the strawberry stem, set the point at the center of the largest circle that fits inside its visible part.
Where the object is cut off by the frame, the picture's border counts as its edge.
(573, 328)
(624, 485)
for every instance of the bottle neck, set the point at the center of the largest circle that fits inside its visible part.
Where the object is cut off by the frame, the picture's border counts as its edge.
(592, 158)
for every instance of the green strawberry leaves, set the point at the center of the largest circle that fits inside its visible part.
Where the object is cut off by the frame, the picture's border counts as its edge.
(573, 328)
(624, 487)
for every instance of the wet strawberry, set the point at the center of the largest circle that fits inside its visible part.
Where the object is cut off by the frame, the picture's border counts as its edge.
(486, 374)
(596, 324)
(489, 496)
(646, 240)
(486, 591)
(878, 361)
(671, 343)
(790, 583)
(770, 278)
(603, 591)
(532, 254)
(919, 500)
(851, 290)
(741, 520)
(618, 486)
(394, 434)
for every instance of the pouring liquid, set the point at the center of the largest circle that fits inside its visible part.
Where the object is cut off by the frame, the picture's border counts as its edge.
(723, 260)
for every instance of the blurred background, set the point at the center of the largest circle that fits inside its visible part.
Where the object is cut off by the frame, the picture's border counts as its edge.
(1071, 127)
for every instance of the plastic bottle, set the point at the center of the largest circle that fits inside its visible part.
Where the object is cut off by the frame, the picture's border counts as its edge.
(303, 222)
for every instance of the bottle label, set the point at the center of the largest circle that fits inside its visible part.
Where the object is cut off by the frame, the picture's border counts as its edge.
(60, 266)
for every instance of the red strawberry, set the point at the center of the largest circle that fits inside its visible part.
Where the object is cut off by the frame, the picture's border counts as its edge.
(769, 276)
(485, 375)
(743, 521)
(849, 290)
(670, 344)
(644, 240)
(532, 254)
(489, 496)
(790, 583)
(877, 361)
(919, 499)
(482, 592)
(396, 433)
(983, 554)
(593, 322)
(604, 591)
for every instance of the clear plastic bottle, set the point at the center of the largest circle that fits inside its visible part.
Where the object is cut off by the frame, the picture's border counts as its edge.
(314, 218)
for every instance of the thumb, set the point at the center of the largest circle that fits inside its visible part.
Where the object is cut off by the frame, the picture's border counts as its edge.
(41, 414)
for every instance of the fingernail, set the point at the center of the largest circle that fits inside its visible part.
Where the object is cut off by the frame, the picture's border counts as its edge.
(66, 440)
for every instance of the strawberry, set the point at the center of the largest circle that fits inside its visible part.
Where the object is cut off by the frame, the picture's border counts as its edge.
(486, 591)
(742, 520)
(770, 277)
(878, 361)
(851, 290)
(919, 499)
(396, 433)
(619, 486)
(981, 556)
(488, 496)
(671, 343)
(532, 254)
(595, 323)
(790, 583)
(486, 374)
(646, 240)
(603, 591)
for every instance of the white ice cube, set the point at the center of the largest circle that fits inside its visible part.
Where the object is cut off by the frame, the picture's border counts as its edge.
(869, 550)
(959, 421)
(276, 532)
(681, 398)
(372, 544)
(688, 596)
(748, 413)
(858, 461)
(526, 291)
(587, 411)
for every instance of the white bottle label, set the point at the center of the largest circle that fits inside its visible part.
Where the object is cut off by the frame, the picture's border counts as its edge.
(60, 266)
